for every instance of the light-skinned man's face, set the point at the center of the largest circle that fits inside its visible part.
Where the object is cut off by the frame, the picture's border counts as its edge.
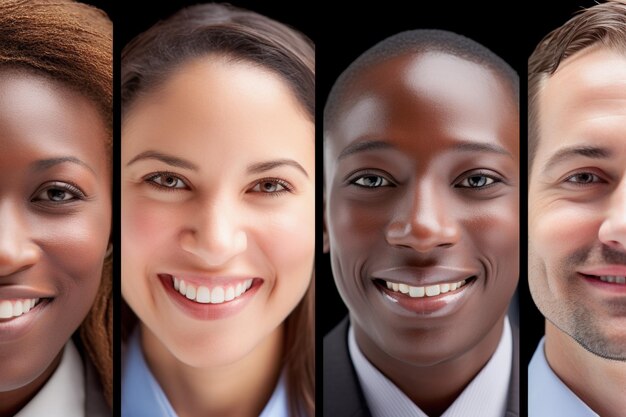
(577, 201)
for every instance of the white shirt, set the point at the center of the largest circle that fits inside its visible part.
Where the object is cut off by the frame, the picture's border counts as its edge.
(485, 396)
(548, 396)
(64, 393)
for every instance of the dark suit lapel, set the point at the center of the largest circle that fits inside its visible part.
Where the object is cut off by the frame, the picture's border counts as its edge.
(343, 396)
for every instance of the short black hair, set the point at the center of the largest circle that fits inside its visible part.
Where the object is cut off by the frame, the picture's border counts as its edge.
(415, 42)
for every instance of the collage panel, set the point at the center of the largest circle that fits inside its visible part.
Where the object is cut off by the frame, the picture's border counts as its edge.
(422, 189)
(56, 250)
(577, 212)
(218, 214)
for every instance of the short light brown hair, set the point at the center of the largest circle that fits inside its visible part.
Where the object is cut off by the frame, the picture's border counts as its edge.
(603, 24)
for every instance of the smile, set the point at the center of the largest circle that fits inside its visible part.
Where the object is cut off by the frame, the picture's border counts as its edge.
(15, 308)
(613, 279)
(427, 291)
(215, 295)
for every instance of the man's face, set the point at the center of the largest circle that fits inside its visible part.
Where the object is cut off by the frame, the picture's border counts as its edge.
(577, 202)
(421, 205)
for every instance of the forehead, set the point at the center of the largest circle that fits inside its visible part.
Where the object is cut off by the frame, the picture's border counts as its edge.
(584, 102)
(414, 93)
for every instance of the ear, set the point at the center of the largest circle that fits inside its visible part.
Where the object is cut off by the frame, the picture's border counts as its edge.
(325, 240)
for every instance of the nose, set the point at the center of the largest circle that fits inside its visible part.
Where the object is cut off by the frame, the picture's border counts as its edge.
(17, 249)
(215, 234)
(613, 229)
(425, 222)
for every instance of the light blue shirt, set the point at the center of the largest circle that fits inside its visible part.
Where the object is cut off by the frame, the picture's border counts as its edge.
(548, 396)
(143, 397)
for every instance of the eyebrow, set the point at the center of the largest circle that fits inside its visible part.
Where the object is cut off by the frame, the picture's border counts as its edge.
(463, 146)
(43, 164)
(592, 152)
(168, 159)
(266, 166)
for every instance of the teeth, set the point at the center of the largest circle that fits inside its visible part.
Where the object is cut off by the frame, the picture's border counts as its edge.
(428, 291)
(16, 308)
(205, 295)
(613, 279)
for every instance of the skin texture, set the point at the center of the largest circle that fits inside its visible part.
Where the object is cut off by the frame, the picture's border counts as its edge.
(53, 249)
(221, 116)
(423, 108)
(577, 223)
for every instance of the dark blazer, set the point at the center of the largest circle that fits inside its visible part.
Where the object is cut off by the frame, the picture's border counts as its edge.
(343, 396)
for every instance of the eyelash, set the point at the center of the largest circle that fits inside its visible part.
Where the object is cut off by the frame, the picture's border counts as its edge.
(378, 176)
(181, 184)
(597, 179)
(275, 181)
(489, 176)
(151, 179)
(65, 187)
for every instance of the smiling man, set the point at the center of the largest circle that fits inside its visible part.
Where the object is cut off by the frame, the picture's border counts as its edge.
(577, 215)
(421, 170)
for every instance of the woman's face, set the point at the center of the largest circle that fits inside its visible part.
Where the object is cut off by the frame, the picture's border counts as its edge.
(217, 209)
(421, 207)
(55, 220)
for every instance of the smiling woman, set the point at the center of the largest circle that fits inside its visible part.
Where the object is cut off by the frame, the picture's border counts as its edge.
(218, 170)
(55, 209)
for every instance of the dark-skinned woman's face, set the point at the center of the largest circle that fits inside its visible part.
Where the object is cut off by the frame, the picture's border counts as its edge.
(422, 203)
(55, 220)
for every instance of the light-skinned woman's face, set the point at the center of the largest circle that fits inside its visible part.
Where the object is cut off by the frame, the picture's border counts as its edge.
(55, 220)
(422, 203)
(217, 209)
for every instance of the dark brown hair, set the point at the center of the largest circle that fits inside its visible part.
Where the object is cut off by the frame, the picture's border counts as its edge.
(237, 35)
(71, 43)
(603, 24)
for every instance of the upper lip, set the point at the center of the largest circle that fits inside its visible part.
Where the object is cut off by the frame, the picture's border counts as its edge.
(423, 276)
(604, 270)
(11, 292)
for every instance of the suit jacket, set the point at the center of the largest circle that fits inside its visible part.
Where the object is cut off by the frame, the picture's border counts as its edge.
(343, 396)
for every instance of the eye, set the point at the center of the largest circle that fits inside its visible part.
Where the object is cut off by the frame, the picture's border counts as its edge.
(59, 192)
(477, 181)
(271, 186)
(167, 180)
(371, 181)
(583, 178)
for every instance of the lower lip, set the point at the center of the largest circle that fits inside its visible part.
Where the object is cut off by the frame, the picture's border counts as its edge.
(209, 311)
(16, 327)
(611, 287)
(436, 306)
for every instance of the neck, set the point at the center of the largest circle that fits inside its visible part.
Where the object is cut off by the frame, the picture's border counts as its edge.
(433, 388)
(241, 388)
(13, 401)
(597, 381)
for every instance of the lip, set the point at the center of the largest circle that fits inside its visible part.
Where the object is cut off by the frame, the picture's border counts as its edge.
(424, 276)
(611, 288)
(605, 270)
(209, 311)
(15, 328)
(432, 306)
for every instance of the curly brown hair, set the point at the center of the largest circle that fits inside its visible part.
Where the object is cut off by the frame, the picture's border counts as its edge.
(72, 43)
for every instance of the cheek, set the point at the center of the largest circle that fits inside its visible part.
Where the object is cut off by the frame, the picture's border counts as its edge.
(288, 240)
(76, 246)
(353, 225)
(572, 226)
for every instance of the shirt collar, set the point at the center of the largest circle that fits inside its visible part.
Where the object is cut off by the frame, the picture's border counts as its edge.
(64, 393)
(142, 395)
(485, 396)
(547, 395)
